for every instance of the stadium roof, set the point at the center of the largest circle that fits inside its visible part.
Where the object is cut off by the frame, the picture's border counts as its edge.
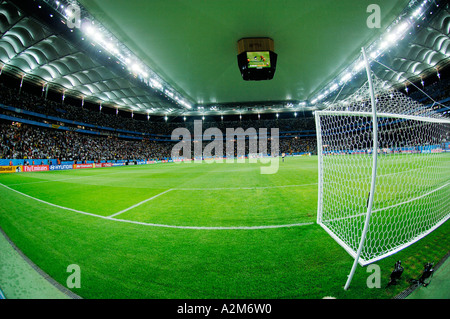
(179, 57)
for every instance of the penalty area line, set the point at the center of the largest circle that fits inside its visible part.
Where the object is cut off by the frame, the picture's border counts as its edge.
(139, 204)
(160, 225)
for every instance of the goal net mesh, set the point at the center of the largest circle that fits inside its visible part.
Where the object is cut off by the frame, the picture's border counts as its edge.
(412, 194)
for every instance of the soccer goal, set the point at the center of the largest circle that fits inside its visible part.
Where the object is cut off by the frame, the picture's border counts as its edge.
(384, 173)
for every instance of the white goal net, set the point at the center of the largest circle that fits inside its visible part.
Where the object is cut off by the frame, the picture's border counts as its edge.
(412, 188)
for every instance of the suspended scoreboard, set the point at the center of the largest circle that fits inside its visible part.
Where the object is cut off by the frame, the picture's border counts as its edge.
(256, 59)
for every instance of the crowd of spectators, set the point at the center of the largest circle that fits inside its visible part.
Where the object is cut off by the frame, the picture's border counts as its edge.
(39, 104)
(298, 145)
(435, 91)
(27, 141)
(20, 141)
(297, 135)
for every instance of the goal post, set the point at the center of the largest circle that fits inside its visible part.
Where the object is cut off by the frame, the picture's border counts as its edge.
(384, 177)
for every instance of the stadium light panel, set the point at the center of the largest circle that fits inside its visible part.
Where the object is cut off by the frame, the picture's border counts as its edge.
(334, 87)
(346, 77)
(69, 13)
(417, 13)
(170, 94)
(156, 84)
(186, 104)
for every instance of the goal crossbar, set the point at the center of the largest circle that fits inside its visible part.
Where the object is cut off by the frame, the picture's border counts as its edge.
(385, 115)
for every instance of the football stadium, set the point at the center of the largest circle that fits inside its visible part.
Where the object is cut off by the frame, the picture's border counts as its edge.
(224, 150)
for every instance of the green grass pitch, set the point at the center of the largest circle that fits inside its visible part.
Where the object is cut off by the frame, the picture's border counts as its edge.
(190, 230)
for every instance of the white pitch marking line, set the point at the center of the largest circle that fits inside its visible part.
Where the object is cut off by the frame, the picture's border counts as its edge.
(160, 225)
(392, 206)
(139, 204)
(214, 227)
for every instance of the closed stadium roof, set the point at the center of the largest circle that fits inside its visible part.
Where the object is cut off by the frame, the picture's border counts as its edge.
(179, 57)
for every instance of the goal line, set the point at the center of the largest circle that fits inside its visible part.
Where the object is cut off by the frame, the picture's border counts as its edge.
(389, 207)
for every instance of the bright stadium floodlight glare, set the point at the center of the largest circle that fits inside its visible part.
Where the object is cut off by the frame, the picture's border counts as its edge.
(391, 37)
(171, 95)
(383, 45)
(393, 34)
(334, 87)
(186, 104)
(135, 67)
(402, 27)
(96, 32)
(375, 54)
(88, 28)
(156, 84)
(110, 47)
(346, 77)
(69, 13)
(417, 13)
